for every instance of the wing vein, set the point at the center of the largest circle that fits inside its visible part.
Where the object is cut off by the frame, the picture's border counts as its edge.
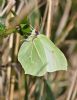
(38, 53)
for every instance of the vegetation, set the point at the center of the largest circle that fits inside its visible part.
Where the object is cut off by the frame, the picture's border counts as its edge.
(28, 24)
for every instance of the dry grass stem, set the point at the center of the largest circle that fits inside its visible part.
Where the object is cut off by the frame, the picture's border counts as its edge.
(72, 85)
(8, 7)
(64, 18)
(49, 21)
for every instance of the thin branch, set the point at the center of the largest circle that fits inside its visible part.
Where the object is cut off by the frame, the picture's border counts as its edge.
(44, 18)
(20, 7)
(67, 42)
(70, 26)
(8, 7)
(72, 85)
(2, 5)
(9, 67)
(74, 92)
(24, 12)
(12, 88)
(64, 18)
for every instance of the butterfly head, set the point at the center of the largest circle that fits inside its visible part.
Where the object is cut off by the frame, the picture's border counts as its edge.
(35, 32)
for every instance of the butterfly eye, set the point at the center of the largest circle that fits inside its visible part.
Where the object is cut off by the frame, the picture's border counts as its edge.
(37, 33)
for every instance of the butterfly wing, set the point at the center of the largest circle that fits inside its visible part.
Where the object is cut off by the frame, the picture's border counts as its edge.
(55, 58)
(40, 56)
(32, 58)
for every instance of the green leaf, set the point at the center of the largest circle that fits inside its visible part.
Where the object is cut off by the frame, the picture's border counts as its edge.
(39, 55)
(2, 29)
(25, 29)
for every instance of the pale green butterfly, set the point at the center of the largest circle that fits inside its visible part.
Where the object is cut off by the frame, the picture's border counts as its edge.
(39, 55)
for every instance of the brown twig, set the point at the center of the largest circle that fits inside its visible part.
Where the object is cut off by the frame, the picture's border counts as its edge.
(42, 90)
(70, 26)
(20, 7)
(64, 18)
(74, 92)
(12, 88)
(32, 90)
(24, 12)
(70, 42)
(72, 85)
(44, 18)
(8, 7)
(2, 5)
(9, 67)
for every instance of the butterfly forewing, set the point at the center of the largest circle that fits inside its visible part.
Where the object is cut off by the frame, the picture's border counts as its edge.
(32, 57)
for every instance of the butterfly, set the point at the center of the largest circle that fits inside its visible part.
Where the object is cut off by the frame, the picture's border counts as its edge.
(39, 55)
